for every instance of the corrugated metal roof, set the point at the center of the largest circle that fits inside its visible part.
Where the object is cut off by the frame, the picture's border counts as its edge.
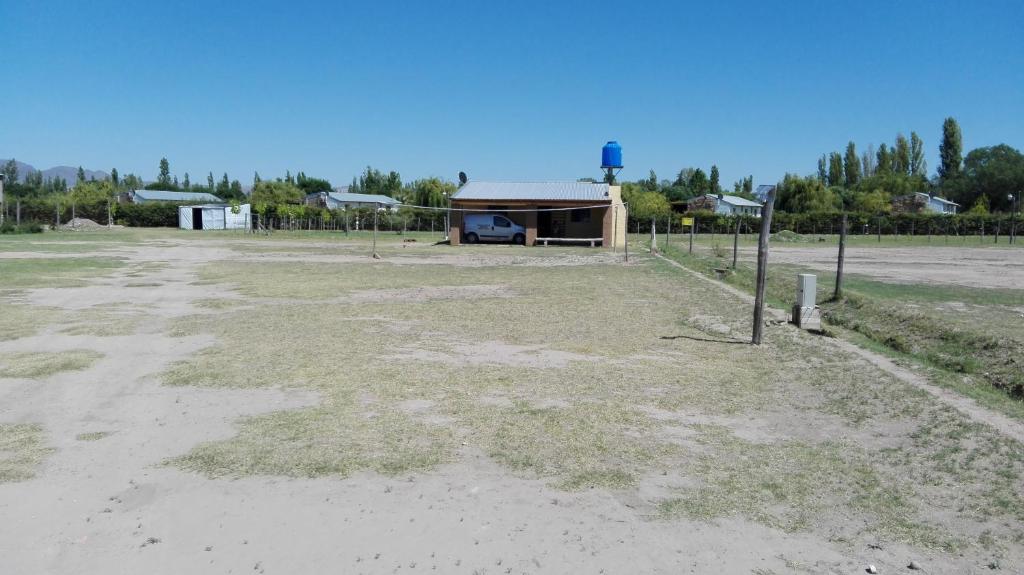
(541, 191)
(937, 198)
(347, 198)
(166, 196)
(734, 200)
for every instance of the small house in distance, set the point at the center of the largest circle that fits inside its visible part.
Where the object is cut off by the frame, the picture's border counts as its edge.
(556, 212)
(725, 204)
(920, 202)
(149, 196)
(341, 199)
(214, 217)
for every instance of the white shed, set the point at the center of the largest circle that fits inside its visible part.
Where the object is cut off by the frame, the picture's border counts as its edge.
(213, 217)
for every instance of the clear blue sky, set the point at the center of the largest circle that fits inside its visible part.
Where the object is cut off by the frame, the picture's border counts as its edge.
(522, 90)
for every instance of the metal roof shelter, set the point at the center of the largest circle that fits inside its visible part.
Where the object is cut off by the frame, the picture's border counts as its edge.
(341, 199)
(534, 191)
(566, 212)
(214, 217)
(142, 196)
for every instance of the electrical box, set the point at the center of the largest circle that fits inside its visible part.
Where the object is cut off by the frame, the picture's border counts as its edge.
(805, 311)
(806, 290)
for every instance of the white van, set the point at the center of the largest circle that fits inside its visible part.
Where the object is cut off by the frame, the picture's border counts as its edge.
(493, 228)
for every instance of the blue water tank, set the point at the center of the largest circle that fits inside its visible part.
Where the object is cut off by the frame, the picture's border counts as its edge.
(611, 155)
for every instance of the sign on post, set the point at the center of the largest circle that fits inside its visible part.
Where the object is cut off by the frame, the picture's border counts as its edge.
(687, 222)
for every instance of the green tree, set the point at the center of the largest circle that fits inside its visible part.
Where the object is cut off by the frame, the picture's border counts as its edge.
(901, 156)
(164, 178)
(823, 169)
(699, 184)
(918, 167)
(992, 172)
(373, 181)
(883, 164)
(273, 193)
(186, 184)
(223, 189)
(312, 185)
(235, 191)
(80, 176)
(874, 202)
(209, 182)
(796, 194)
(255, 179)
(950, 150)
(835, 169)
(851, 165)
(114, 179)
(713, 181)
(432, 192)
(647, 204)
(10, 172)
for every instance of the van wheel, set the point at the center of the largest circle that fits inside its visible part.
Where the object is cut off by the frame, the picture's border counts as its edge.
(519, 239)
(472, 238)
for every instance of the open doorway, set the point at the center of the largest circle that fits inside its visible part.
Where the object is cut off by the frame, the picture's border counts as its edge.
(197, 218)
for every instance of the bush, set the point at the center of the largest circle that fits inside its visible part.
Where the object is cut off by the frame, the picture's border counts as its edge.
(26, 228)
(152, 215)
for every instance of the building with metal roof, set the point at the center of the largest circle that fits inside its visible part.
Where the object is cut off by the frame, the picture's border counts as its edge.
(144, 196)
(540, 191)
(725, 204)
(214, 217)
(552, 212)
(343, 200)
(919, 202)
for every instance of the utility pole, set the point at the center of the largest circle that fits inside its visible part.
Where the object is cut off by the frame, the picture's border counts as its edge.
(762, 266)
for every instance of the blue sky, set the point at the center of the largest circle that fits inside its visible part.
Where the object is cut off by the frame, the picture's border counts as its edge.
(519, 90)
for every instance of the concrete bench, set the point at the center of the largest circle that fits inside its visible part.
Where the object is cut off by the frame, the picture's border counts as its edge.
(592, 241)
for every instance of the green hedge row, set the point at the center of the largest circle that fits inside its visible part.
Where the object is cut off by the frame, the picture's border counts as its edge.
(859, 223)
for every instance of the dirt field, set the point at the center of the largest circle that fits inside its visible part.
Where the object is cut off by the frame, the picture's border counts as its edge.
(982, 267)
(207, 403)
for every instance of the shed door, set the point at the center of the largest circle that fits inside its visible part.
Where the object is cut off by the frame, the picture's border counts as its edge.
(197, 218)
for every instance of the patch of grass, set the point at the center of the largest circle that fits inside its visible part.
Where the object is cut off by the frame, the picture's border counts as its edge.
(39, 365)
(93, 435)
(22, 449)
(880, 311)
(102, 323)
(795, 486)
(337, 439)
(18, 321)
(54, 272)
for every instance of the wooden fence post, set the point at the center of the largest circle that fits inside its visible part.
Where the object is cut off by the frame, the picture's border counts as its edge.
(842, 256)
(762, 266)
(736, 243)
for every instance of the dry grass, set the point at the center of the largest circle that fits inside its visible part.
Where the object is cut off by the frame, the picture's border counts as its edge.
(92, 435)
(835, 437)
(40, 365)
(18, 321)
(22, 449)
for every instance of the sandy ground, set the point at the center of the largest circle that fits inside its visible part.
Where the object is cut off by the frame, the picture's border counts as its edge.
(967, 266)
(111, 506)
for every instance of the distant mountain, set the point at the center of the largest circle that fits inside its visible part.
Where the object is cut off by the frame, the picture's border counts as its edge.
(69, 173)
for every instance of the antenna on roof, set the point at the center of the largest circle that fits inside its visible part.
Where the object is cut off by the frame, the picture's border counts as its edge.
(463, 178)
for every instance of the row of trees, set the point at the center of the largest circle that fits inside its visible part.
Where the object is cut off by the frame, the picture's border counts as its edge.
(981, 182)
